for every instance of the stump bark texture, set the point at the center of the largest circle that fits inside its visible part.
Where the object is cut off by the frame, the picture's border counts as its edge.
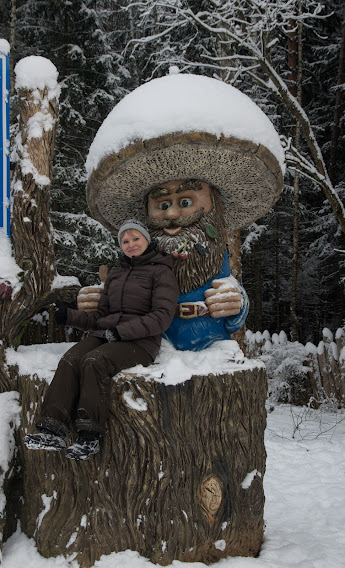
(179, 475)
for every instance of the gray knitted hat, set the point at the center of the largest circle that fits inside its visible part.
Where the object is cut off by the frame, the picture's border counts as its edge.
(137, 226)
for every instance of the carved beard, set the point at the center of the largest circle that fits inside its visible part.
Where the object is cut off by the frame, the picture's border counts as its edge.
(196, 269)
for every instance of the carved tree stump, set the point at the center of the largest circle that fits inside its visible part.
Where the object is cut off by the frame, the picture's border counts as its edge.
(179, 475)
(31, 229)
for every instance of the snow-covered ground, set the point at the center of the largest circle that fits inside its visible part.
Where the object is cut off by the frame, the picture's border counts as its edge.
(304, 488)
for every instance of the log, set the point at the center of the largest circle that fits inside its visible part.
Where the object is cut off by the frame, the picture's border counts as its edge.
(179, 475)
(31, 229)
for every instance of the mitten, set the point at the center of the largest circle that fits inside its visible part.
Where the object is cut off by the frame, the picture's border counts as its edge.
(60, 313)
(112, 335)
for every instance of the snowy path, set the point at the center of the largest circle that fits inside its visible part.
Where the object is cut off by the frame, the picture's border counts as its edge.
(305, 502)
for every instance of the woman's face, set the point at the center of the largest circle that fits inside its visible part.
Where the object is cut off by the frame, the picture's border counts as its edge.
(133, 243)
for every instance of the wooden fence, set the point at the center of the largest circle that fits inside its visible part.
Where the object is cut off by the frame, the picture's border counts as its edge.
(325, 362)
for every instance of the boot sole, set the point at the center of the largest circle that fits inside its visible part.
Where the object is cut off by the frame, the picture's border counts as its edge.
(34, 445)
(78, 457)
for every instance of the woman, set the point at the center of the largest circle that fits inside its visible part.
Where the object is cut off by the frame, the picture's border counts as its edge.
(136, 307)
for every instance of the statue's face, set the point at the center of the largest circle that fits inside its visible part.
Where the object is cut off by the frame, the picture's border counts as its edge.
(185, 219)
(178, 199)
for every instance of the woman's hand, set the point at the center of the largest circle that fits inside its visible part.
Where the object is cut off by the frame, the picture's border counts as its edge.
(112, 335)
(60, 313)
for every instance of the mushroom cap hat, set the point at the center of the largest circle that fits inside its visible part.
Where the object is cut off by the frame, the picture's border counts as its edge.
(185, 126)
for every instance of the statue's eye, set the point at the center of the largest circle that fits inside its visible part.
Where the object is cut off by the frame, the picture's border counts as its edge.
(186, 202)
(164, 205)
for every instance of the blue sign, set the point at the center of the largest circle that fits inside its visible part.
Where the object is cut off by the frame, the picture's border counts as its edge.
(5, 137)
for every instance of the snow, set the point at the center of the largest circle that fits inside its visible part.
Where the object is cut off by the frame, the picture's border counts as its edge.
(220, 544)
(9, 420)
(342, 356)
(41, 360)
(304, 480)
(305, 502)
(38, 122)
(310, 348)
(246, 483)
(172, 366)
(35, 72)
(327, 334)
(9, 270)
(4, 47)
(10, 411)
(339, 333)
(183, 103)
(28, 167)
(62, 281)
(137, 404)
(47, 501)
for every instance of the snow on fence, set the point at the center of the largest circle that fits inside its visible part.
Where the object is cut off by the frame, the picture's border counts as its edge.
(298, 373)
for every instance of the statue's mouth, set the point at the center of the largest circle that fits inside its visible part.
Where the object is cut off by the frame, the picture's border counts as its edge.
(172, 231)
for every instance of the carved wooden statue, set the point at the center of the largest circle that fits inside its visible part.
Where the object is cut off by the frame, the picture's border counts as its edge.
(180, 475)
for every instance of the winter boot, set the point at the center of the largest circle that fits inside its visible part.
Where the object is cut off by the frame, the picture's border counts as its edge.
(86, 444)
(45, 440)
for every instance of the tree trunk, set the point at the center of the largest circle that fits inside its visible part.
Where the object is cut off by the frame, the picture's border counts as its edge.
(13, 23)
(234, 242)
(296, 91)
(31, 229)
(257, 292)
(133, 61)
(295, 254)
(292, 58)
(277, 270)
(338, 108)
(179, 475)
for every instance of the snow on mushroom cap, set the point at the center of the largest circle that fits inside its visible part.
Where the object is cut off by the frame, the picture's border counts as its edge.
(183, 103)
(35, 72)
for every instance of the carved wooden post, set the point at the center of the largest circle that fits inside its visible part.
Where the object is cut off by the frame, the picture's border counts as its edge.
(179, 476)
(30, 194)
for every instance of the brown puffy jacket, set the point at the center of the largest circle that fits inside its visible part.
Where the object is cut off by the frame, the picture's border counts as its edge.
(139, 299)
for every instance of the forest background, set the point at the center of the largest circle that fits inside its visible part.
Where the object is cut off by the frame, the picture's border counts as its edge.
(287, 55)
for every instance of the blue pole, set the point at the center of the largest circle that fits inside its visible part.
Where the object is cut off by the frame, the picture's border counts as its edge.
(5, 137)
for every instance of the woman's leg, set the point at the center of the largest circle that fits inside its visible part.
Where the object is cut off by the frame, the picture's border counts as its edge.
(97, 369)
(63, 393)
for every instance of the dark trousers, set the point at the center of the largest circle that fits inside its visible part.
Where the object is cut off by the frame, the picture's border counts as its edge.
(82, 384)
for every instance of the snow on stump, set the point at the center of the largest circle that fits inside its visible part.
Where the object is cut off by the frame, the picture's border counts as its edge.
(179, 475)
(9, 420)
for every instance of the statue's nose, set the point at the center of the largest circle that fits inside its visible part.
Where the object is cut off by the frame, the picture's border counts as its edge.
(172, 212)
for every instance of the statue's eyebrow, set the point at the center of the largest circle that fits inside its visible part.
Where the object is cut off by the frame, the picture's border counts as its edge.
(159, 192)
(189, 184)
(194, 184)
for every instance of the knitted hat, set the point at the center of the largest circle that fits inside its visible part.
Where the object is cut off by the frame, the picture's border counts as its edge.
(137, 226)
(185, 127)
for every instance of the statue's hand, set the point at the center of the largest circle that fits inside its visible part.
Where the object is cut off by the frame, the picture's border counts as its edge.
(223, 299)
(89, 296)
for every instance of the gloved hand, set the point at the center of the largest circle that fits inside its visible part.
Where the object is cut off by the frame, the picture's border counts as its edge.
(60, 313)
(112, 335)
